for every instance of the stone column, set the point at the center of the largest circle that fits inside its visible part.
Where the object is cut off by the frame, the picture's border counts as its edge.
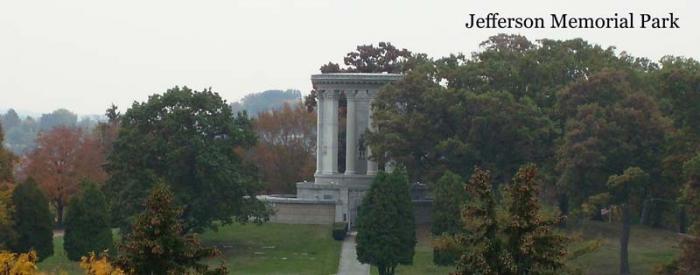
(320, 128)
(372, 166)
(331, 165)
(350, 134)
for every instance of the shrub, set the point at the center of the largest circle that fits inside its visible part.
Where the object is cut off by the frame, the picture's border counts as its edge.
(33, 220)
(340, 230)
(87, 224)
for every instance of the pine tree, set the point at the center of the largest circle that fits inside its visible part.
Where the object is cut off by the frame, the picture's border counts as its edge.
(157, 244)
(532, 243)
(87, 223)
(386, 231)
(449, 196)
(33, 221)
(481, 249)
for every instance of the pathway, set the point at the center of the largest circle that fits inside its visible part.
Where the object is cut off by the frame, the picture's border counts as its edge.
(349, 265)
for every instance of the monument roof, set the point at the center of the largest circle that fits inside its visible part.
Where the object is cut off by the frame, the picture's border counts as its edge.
(355, 78)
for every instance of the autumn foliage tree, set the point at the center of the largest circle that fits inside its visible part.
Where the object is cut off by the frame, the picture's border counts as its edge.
(688, 262)
(286, 147)
(157, 243)
(63, 158)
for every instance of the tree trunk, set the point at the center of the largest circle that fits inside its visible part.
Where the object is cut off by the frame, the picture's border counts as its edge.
(682, 220)
(644, 216)
(624, 241)
(563, 209)
(59, 215)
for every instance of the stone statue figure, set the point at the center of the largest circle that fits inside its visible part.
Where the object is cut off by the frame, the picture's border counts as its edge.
(361, 147)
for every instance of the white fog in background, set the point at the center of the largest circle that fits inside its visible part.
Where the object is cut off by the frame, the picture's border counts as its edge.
(84, 55)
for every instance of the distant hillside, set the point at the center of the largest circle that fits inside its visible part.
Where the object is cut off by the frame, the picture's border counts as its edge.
(256, 103)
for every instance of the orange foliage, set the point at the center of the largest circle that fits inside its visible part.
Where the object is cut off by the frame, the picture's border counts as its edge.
(62, 159)
(286, 147)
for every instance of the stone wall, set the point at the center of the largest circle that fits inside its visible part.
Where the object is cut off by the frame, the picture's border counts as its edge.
(297, 211)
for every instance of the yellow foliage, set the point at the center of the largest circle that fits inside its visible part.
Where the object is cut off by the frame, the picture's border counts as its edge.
(94, 265)
(18, 263)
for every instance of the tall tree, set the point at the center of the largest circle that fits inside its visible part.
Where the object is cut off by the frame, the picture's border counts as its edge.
(611, 124)
(688, 262)
(7, 160)
(87, 223)
(8, 235)
(33, 222)
(532, 242)
(626, 190)
(63, 158)
(386, 231)
(58, 118)
(286, 147)
(188, 139)
(156, 244)
(448, 198)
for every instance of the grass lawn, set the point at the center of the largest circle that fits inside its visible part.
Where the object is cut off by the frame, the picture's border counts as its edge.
(648, 248)
(275, 249)
(251, 249)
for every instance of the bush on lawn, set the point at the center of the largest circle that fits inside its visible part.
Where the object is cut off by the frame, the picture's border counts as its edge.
(340, 230)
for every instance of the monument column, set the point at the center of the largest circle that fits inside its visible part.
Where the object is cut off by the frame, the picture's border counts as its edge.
(372, 166)
(320, 128)
(350, 133)
(331, 164)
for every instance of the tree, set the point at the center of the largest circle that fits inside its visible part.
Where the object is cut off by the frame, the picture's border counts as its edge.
(431, 129)
(518, 241)
(188, 139)
(612, 124)
(286, 147)
(8, 236)
(480, 247)
(7, 160)
(688, 262)
(448, 198)
(87, 223)
(532, 243)
(626, 191)
(11, 119)
(386, 231)
(257, 103)
(63, 158)
(32, 218)
(58, 118)
(156, 244)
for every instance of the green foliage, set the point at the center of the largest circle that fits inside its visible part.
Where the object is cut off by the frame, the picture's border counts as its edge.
(156, 244)
(33, 220)
(257, 103)
(688, 262)
(87, 224)
(431, 129)
(482, 251)
(340, 230)
(386, 231)
(7, 160)
(189, 139)
(522, 241)
(533, 244)
(448, 197)
(8, 236)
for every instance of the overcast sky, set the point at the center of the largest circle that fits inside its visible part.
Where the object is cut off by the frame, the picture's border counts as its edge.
(84, 55)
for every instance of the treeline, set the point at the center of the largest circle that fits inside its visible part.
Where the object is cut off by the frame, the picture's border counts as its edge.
(21, 133)
(612, 134)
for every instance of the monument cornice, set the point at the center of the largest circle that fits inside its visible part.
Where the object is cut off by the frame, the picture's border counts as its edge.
(355, 78)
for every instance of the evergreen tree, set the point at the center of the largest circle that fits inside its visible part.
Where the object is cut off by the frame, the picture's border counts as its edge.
(87, 223)
(33, 221)
(449, 196)
(532, 243)
(481, 249)
(386, 231)
(518, 241)
(689, 262)
(157, 244)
